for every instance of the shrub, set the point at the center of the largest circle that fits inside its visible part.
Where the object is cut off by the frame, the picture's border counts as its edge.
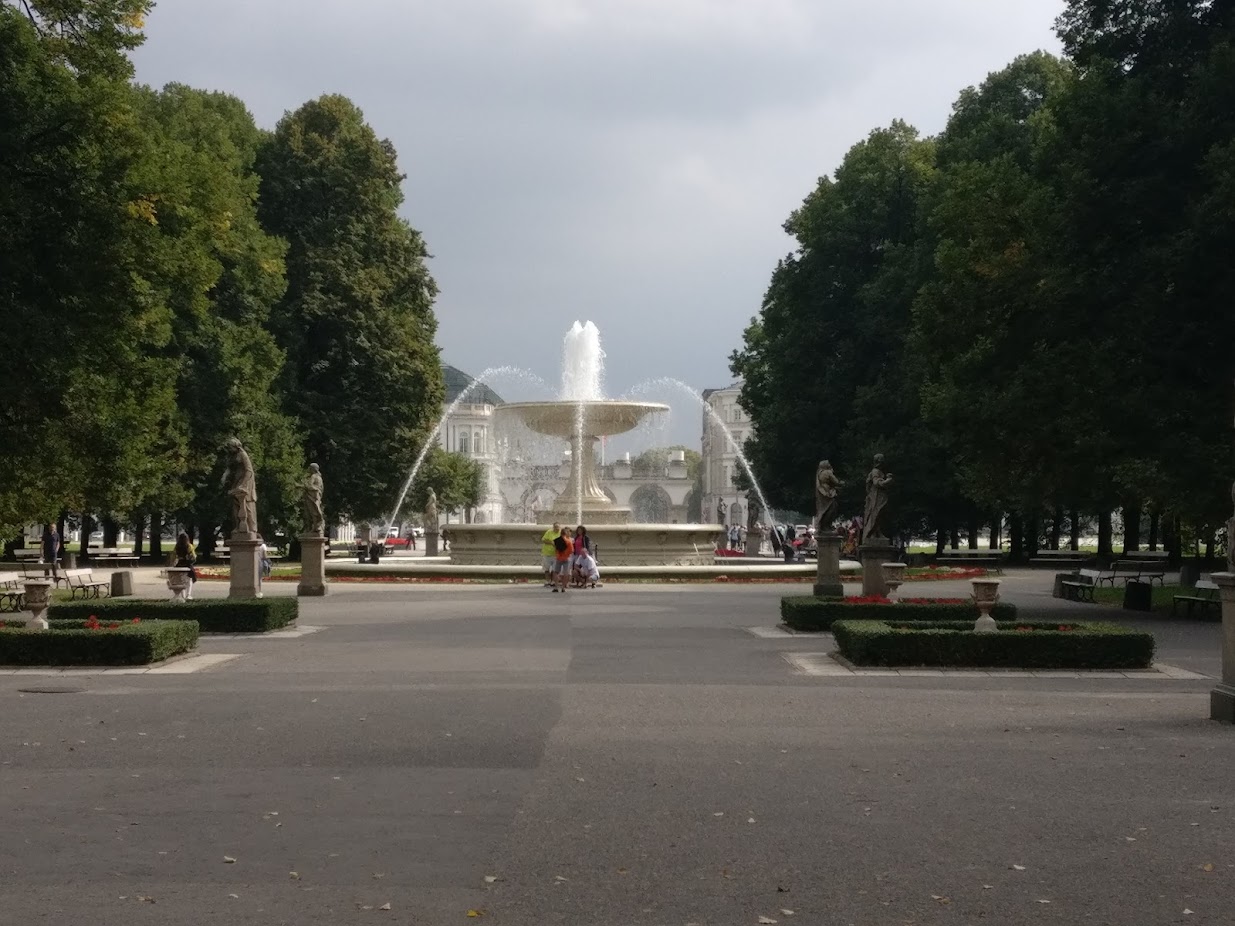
(218, 615)
(71, 643)
(809, 614)
(1022, 645)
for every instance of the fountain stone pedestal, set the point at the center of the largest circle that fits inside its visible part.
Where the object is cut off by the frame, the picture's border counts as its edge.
(827, 573)
(312, 565)
(431, 543)
(873, 554)
(246, 566)
(1222, 698)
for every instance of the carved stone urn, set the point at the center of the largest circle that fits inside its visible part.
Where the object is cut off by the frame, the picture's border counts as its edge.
(985, 596)
(37, 596)
(179, 582)
(893, 577)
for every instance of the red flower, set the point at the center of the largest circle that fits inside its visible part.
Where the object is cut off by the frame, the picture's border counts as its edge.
(1064, 627)
(137, 620)
(113, 626)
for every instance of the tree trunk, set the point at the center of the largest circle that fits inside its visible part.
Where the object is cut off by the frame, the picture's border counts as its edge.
(954, 537)
(1105, 533)
(139, 534)
(61, 523)
(941, 541)
(1074, 533)
(87, 528)
(1016, 536)
(205, 541)
(1132, 528)
(111, 533)
(972, 529)
(1056, 527)
(156, 537)
(996, 541)
(1032, 526)
(1209, 548)
(1155, 519)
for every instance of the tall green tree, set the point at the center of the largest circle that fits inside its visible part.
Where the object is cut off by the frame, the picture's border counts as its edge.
(87, 413)
(222, 274)
(824, 367)
(363, 377)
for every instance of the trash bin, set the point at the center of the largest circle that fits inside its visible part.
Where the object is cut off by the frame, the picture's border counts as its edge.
(1189, 573)
(1138, 596)
(121, 584)
(375, 553)
(1060, 579)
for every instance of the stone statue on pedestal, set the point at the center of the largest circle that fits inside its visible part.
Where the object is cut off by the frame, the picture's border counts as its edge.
(826, 486)
(721, 511)
(1230, 538)
(874, 516)
(431, 513)
(752, 513)
(241, 485)
(311, 497)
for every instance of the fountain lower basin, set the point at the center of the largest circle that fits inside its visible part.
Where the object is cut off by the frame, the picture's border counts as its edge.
(616, 544)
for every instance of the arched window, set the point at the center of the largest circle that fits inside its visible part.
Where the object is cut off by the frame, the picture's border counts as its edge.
(478, 443)
(464, 443)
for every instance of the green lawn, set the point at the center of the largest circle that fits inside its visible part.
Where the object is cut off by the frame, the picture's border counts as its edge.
(1161, 598)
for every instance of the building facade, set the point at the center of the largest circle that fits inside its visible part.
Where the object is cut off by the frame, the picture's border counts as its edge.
(725, 430)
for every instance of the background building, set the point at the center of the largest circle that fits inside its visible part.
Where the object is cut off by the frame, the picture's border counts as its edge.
(720, 457)
(468, 429)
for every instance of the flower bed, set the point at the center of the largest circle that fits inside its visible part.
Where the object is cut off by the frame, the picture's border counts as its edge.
(96, 642)
(1020, 645)
(808, 614)
(220, 615)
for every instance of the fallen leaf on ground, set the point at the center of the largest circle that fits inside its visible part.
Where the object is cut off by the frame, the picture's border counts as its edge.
(1018, 867)
(1043, 901)
(1187, 912)
(385, 906)
(988, 887)
(560, 878)
(719, 814)
(490, 879)
(294, 875)
(766, 919)
(380, 875)
(475, 913)
(229, 860)
(1208, 866)
(234, 896)
(751, 820)
(786, 913)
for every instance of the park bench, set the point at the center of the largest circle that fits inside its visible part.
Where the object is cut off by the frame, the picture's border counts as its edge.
(1206, 598)
(108, 557)
(1081, 585)
(11, 596)
(37, 569)
(973, 556)
(82, 580)
(28, 554)
(1133, 570)
(1061, 557)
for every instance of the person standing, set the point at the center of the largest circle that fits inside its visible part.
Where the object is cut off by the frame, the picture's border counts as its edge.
(547, 553)
(186, 557)
(563, 547)
(51, 547)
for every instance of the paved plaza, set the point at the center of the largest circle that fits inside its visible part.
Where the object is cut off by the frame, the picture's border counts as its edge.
(438, 754)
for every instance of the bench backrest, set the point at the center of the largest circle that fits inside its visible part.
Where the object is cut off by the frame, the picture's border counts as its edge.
(77, 573)
(1091, 573)
(1207, 585)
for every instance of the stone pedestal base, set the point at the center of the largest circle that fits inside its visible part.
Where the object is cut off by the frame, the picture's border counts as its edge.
(312, 565)
(430, 543)
(121, 584)
(827, 573)
(179, 582)
(37, 594)
(873, 555)
(246, 581)
(1222, 698)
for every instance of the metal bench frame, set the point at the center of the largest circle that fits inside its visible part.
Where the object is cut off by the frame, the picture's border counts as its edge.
(82, 584)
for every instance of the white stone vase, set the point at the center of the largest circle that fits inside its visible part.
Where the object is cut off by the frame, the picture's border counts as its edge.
(985, 596)
(37, 596)
(179, 582)
(893, 577)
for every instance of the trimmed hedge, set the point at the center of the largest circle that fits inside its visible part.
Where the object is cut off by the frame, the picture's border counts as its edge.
(213, 615)
(69, 643)
(947, 643)
(808, 614)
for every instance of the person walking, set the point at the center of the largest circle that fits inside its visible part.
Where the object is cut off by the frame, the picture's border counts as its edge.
(51, 547)
(582, 546)
(548, 556)
(186, 558)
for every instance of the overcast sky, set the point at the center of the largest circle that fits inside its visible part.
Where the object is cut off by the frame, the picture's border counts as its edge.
(625, 161)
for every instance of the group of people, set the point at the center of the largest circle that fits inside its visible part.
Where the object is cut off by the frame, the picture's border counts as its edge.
(569, 558)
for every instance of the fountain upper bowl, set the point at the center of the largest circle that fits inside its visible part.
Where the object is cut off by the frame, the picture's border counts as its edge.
(600, 417)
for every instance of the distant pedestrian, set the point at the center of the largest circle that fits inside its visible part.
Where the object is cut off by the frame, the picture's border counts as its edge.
(51, 547)
(563, 547)
(548, 557)
(186, 558)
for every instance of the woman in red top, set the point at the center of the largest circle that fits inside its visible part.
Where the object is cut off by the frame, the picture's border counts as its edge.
(562, 549)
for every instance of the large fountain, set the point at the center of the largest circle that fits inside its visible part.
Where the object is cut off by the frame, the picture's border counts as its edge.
(582, 416)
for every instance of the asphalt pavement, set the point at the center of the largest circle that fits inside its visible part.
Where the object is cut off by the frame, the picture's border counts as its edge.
(629, 755)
